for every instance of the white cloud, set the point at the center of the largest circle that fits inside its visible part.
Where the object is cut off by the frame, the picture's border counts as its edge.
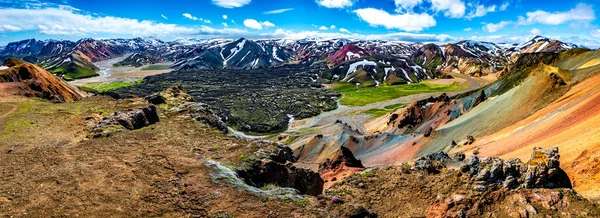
(191, 17)
(278, 11)
(343, 30)
(535, 31)
(163, 16)
(480, 11)
(504, 6)
(410, 22)
(406, 37)
(335, 3)
(451, 8)
(253, 24)
(493, 27)
(582, 12)
(468, 29)
(225, 16)
(406, 5)
(595, 33)
(332, 27)
(231, 3)
(71, 22)
(225, 25)
(323, 28)
(268, 24)
(9, 28)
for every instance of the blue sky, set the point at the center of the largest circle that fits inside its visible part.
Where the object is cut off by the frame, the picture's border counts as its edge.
(404, 20)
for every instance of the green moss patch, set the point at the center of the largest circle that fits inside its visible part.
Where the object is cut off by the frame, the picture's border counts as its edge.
(356, 96)
(73, 72)
(104, 87)
(156, 67)
(378, 112)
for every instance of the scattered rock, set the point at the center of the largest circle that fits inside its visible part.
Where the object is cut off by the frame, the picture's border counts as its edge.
(337, 200)
(173, 96)
(557, 80)
(459, 156)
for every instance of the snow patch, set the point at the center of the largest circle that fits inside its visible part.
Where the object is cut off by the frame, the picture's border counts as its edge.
(363, 63)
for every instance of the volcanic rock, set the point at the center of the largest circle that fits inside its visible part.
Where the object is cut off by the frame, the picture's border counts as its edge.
(131, 119)
(345, 158)
(266, 172)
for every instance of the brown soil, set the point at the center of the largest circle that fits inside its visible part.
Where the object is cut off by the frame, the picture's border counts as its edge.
(50, 169)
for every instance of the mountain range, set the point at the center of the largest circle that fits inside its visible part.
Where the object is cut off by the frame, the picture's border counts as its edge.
(365, 63)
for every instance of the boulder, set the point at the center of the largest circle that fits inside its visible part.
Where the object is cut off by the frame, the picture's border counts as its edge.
(283, 155)
(130, 120)
(266, 172)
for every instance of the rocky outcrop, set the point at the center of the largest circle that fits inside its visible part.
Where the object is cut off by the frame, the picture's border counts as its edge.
(178, 101)
(173, 96)
(224, 176)
(416, 113)
(269, 172)
(130, 120)
(345, 158)
(22, 78)
(557, 81)
(541, 171)
(272, 165)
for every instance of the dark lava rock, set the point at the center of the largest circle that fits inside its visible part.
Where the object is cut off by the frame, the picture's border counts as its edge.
(459, 156)
(283, 155)
(132, 119)
(255, 101)
(156, 99)
(557, 80)
(266, 172)
(359, 212)
(481, 98)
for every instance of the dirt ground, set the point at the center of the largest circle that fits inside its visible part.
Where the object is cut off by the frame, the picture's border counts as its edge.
(48, 168)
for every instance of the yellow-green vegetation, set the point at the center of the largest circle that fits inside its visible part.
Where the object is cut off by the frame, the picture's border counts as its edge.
(356, 96)
(108, 86)
(378, 112)
(75, 72)
(4, 109)
(31, 117)
(156, 67)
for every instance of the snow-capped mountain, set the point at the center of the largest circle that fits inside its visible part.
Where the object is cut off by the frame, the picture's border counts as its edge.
(538, 44)
(473, 58)
(23, 48)
(395, 62)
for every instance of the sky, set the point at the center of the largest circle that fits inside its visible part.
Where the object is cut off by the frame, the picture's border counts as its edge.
(438, 21)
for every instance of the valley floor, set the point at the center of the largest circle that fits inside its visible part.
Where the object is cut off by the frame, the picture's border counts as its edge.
(109, 73)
